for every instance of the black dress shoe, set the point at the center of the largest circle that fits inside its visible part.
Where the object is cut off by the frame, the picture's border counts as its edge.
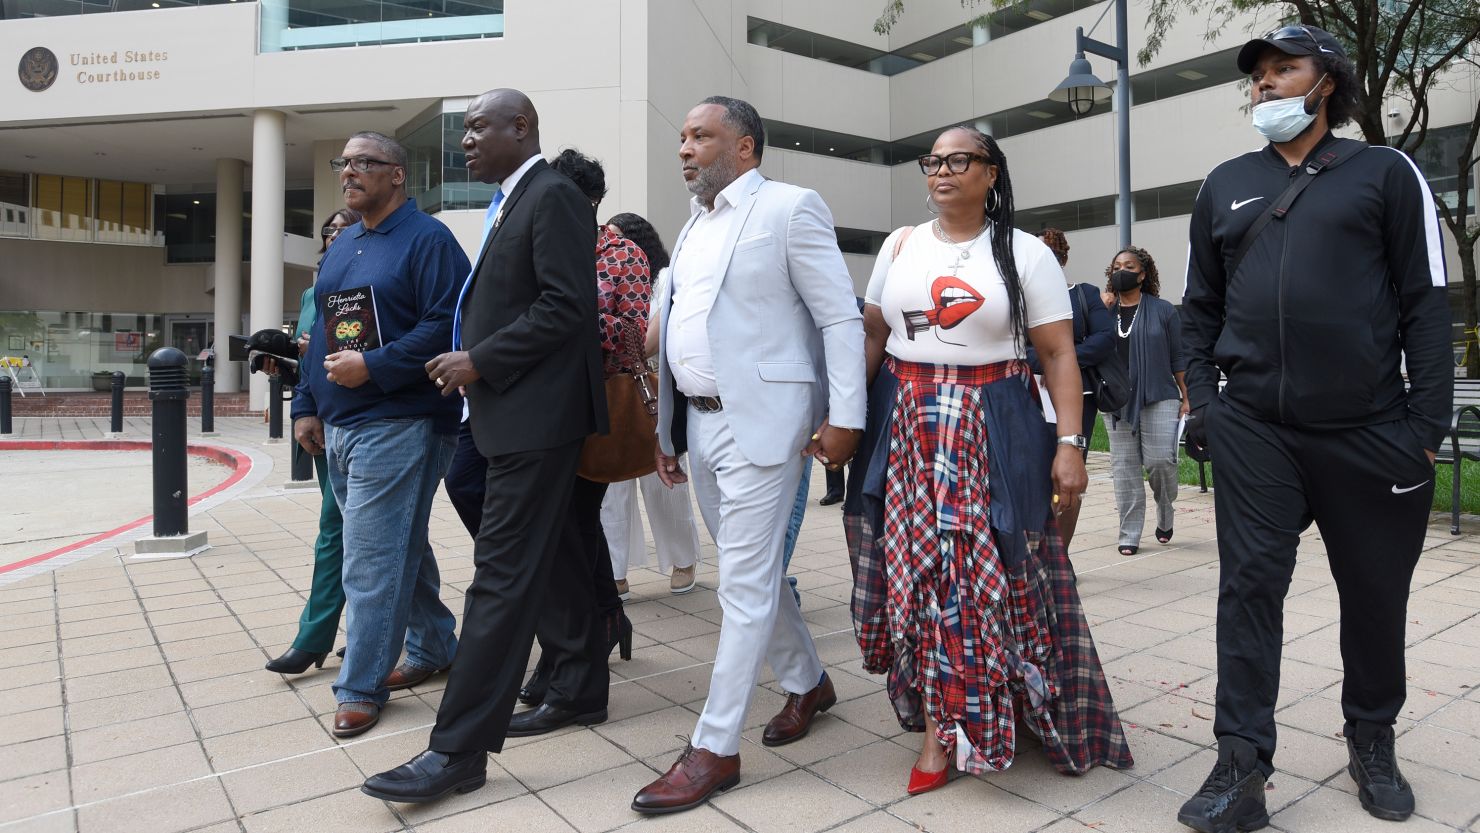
(830, 498)
(428, 777)
(547, 718)
(294, 661)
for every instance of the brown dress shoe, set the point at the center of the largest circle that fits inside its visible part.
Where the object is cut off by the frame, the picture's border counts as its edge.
(352, 719)
(407, 675)
(696, 775)
(795, 718)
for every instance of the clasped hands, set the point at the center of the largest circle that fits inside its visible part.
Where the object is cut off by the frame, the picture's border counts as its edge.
(832, 445)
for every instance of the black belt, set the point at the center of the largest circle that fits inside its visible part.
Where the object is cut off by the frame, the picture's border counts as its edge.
(706, 404)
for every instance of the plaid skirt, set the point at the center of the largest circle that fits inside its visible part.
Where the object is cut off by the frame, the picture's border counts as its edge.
(977, 640)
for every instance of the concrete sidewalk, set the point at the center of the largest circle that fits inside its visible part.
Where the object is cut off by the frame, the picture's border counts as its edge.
(134, 696)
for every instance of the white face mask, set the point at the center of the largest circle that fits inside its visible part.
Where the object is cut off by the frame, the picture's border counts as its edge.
(1283, 119)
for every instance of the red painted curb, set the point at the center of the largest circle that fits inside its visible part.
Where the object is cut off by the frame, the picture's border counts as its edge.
(240, 464)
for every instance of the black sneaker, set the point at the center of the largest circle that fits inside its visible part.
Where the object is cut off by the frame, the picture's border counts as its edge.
(1232, 799)
(1373, 764)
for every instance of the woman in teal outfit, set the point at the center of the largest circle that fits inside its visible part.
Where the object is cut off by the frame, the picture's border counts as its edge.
(319, 622)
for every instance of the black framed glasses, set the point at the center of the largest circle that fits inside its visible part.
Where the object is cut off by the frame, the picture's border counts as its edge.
(360, 164)
(957, 163)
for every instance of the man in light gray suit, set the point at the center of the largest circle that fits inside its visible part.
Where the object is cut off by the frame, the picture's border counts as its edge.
(760, 364)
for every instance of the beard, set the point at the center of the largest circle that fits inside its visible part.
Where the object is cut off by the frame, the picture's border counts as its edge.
(709, 181)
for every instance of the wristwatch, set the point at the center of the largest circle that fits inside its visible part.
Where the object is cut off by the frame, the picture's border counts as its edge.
(1079, 441)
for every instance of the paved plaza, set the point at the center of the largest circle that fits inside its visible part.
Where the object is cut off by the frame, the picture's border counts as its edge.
(133, 696)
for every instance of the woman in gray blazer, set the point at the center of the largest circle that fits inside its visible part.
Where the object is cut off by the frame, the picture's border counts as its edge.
(1143, 434)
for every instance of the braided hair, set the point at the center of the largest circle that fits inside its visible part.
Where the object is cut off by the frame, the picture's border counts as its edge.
(1000, 218)
(1057, 243)
(1151, 285)
(641, 232)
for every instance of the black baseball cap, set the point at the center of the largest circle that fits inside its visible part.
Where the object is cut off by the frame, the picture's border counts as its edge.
(1294, 39)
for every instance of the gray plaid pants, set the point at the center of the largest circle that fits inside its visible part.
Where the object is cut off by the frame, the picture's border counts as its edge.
(1152, 447)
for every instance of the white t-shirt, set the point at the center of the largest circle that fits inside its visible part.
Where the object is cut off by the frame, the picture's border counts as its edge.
(936, 317)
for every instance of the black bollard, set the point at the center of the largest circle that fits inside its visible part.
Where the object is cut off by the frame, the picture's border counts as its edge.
(207, 400)
(5, 427)
(274, 408)
(168, 392)
(115, 412)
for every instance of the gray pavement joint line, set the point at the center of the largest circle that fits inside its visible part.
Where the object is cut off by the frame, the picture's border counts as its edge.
(309, 753)
(261, 468)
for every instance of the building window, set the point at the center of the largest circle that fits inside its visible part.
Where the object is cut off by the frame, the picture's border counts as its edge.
(857, 241)
(15, 204)
(438, 177)
(288, 25)
(1094, 212)
(15, 9)
(1164, 82)
(1436, 160)
(997, 24)
(61, 206)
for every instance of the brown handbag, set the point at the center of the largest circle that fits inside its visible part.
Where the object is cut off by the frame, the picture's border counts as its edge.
(628, 450)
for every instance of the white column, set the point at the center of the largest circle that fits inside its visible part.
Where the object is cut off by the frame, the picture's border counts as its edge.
(268, 134)
(228, 303)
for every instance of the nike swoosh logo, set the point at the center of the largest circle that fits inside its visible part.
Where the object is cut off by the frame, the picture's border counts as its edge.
(1398, 491)
(1237, 204)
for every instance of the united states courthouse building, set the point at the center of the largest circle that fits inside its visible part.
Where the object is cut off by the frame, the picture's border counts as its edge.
(164, 165)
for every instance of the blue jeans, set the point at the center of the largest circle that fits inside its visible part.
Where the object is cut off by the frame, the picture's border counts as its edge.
(384, 474)
(794, 527)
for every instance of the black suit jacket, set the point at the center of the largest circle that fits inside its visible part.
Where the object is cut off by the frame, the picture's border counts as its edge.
(529, 321)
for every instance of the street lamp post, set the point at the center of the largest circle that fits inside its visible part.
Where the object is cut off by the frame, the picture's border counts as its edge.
(1082, 90)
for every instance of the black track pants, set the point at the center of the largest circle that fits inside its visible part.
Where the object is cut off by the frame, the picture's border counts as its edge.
(1368, 490)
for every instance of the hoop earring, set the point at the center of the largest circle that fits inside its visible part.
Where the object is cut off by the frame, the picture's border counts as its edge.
(994, 202)
(930, 204)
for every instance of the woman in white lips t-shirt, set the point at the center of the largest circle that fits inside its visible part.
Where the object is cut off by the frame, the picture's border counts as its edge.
(965, 597)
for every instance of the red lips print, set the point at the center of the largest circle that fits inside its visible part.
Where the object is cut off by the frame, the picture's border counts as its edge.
(955, 301)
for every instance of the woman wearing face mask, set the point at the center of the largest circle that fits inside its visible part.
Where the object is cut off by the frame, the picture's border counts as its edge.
(1143, 434)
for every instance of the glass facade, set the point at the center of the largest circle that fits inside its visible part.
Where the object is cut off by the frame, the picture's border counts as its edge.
(76, 209)
(82, 349)
(287, 25)
(1437, 158)
(438, 176)
(13, 9)
(188, 222)
(996, 24)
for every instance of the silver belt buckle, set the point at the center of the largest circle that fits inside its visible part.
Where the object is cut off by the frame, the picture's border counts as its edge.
(707, 404)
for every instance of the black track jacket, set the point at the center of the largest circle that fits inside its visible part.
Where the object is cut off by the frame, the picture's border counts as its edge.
(1313, 328)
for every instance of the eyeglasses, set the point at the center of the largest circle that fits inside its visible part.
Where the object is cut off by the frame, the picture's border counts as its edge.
(331, 232)
(360, 164)
(958, 163)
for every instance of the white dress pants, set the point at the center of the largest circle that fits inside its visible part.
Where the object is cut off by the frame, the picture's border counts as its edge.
(746, 508)
(670, 515)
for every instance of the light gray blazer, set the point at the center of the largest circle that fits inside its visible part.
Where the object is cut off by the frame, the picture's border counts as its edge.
(785, 331)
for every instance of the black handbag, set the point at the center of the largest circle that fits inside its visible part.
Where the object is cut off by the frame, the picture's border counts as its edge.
(1108, 381)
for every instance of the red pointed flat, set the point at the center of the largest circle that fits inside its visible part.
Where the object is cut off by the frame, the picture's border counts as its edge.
(924, 782)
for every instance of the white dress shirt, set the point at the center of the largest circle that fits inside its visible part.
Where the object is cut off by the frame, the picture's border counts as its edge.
(697, 272)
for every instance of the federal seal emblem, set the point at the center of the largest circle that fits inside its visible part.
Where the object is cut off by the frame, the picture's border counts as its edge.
(38, 69)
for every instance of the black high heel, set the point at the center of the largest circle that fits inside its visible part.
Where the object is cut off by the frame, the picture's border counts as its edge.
(619, 636)
(294, 661)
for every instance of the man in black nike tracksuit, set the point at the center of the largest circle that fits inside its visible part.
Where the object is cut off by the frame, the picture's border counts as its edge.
(1311, 328)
